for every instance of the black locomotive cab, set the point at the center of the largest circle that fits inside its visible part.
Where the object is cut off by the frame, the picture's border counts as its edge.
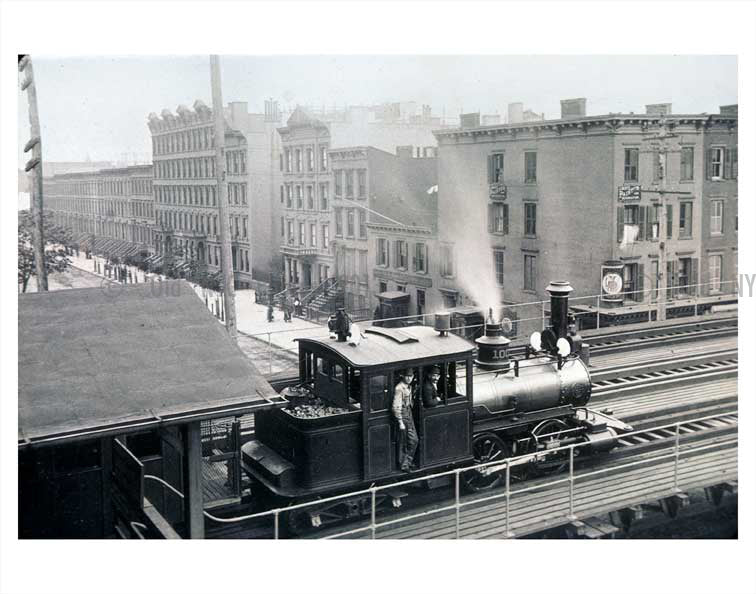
(339, 430)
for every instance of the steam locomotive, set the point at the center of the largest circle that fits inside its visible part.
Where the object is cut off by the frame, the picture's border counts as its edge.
(338, 434)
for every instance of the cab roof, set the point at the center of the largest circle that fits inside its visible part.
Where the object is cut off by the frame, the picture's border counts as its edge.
(394, 346)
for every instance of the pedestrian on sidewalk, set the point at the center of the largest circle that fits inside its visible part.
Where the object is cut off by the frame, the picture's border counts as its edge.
(297, 307)
(270, 312)
(287, 311)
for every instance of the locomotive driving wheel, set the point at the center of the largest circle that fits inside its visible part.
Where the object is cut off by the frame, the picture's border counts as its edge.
(545, 436)
(486, 447)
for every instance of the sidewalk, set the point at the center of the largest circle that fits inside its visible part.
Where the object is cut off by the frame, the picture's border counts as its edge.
(251, 317)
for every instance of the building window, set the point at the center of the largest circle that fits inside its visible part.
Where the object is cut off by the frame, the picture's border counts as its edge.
(288, 195)
(716, 163)
(350, 222)
(530, 268)
(310, 160)
(420, 259)
(420, 301)
(323, 159)
(290, 232)
(298, 153)
(686, 219)
(628, 230)
(686, 163)
(288, 160)
(655, 280)
(631, 165)
(310, 199)
(499, 267)
(715, 274)
(325, 236)
(283, 193)
(313, 235)
(361, 183)
(530, 167)
(498, 218)
(323, 196)
(339, 222)
(363, 224)
(447, 260)
(299, 196)
(381, 254)
(688, 268)
(349, 173)
(282, 227)
(337, 187)
(530, 219)
(653, 213)
(382, 287)
(301, 234)
(495, 168)
(401, 253)
(717, 208)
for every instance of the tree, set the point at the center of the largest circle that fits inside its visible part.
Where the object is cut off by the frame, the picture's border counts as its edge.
(56, 238)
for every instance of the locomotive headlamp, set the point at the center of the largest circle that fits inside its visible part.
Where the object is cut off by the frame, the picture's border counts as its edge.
(563, 347)
(535, 341)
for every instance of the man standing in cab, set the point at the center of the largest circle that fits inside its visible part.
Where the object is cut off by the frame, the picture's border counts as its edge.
(430, 388)
(402, 410)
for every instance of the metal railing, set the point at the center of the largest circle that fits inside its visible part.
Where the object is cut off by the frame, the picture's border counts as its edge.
(504, 465)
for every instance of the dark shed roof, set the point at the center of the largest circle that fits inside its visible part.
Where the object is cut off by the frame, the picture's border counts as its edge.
(125, 356)
(386, 346)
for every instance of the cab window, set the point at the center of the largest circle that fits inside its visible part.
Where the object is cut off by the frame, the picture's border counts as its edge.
(379, 394)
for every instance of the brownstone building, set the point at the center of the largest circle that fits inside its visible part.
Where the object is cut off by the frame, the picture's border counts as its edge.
(110, 211)
(186, 193)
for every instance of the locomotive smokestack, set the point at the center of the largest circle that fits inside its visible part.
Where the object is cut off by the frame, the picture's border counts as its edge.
(560, 292)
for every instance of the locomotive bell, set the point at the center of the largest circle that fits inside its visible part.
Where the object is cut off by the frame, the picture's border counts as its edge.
(493, 348)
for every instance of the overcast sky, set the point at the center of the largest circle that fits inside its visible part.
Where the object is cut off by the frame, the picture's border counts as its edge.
(97, 107)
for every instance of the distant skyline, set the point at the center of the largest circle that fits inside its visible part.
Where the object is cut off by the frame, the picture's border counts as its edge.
(96, 107)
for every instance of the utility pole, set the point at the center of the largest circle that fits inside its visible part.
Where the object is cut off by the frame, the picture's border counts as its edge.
(35, 166)
(661, 147)
(220, 175)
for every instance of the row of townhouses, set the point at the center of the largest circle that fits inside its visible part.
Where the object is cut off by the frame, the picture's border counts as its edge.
(385, 203)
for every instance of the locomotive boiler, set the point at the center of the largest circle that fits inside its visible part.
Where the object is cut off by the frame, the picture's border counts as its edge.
(338, 433)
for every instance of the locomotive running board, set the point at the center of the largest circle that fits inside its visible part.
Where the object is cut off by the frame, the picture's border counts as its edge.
(597, 420)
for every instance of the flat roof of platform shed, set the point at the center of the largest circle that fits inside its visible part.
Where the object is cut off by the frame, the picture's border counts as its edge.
(119, 358)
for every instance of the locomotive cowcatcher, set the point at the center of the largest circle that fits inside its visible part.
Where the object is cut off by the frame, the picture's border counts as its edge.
(338, 433)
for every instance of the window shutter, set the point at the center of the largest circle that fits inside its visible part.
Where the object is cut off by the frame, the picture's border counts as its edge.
(639, 284)
(377, 251)
(709, 157)
(620, 223)
(491, 213)
(693, 276)
(670, 222)
(655, 165)
(506, 219)
(727, 164)
(734, 163)
(490, 169)
(641, 223)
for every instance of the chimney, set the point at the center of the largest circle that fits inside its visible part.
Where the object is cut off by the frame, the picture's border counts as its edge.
(514, 111)
(469, 120)
(659, 109)
(728, 109)
(404, 152)
(573, 108)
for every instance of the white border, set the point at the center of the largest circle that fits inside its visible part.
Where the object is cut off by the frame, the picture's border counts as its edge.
(450, 28)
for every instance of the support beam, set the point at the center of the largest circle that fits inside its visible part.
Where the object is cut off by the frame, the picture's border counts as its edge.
(193, 504)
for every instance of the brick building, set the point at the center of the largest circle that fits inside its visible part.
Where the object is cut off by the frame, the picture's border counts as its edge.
(306, 223)
(110, 211)
(390, 201)
(560, 198)
(186, 193)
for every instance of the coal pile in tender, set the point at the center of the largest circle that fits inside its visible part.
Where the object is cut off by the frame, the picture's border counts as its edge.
(314, 409)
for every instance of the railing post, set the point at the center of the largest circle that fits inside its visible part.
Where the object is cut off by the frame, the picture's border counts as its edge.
(456, 500)
(275, 525)
(677, 452)
(572, 483)
(507, 493)
(372, 512)
(270, 356)
(598, 311)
